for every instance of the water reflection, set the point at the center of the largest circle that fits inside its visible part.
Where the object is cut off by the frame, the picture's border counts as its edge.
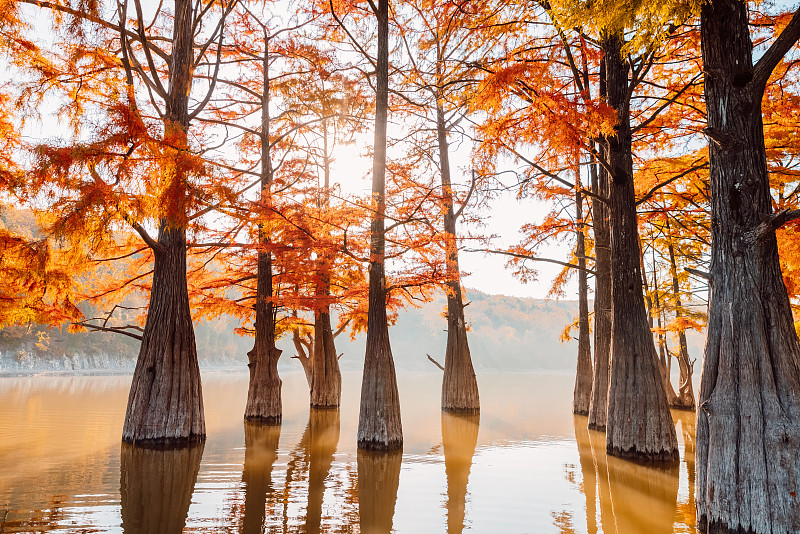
(156, 488)
(459, 438)
(378, 479)
(643, 498)
(310, 464)
(320, 440)
(261, 451)
(632, 497)
(588, 472)
(60, 465)
(688, 422)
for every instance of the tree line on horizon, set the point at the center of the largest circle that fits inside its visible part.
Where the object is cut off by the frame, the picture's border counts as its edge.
(196, 169)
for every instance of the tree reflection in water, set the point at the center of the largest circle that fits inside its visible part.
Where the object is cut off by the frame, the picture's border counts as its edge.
(320, 438)
(588, 472)
(459, 438)
(311, 460)
(378, 479)
(261, 451)
(156, 488)
(632, 497)
(688, 419)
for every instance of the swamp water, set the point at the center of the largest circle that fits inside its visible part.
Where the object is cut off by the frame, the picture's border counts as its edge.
(526, 465)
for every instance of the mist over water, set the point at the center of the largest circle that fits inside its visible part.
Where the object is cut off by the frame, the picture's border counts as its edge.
(525, 465)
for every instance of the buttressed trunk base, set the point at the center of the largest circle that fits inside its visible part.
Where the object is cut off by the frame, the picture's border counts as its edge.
(639, 425)
(264, 391)
(326, 378)
(165, 405)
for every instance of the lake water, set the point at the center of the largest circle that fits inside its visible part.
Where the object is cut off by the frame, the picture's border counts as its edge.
(525, 466)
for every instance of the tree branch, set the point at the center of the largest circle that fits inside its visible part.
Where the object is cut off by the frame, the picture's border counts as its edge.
(532, 258)
(701, 274)
(771, 223)
(437, 364)
(647, 196)
(763, 69)
(115, 330)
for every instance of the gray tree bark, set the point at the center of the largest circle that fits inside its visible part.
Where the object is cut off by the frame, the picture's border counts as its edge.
(639, 425)
(748, 424)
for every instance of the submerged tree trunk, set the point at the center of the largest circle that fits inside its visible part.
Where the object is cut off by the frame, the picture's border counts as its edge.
(684, 400)
(165, 405)
(379, 425)
(639, 425)
(582, 393)
(326, 378)
(260, 453)
(748, 425)
(459, 438)
(459, 385)
(156, 488)
(264, 391)
(598, 404)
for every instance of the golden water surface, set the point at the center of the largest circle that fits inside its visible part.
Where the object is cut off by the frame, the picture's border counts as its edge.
(525, 465)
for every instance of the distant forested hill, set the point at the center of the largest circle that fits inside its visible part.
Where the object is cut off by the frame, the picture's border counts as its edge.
(506, 333)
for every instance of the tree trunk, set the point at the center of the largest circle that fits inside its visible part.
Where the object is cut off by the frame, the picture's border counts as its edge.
(260, 453)
(685, 397)
(459, 438)
(326, 378)
(379, 425)
(264, 390)
(639, 425)
(378, 480)
(156, 488)
(598, 404)
(165, 405)
(459, 385)
(665, 358)
(582, 394)
(748, 425)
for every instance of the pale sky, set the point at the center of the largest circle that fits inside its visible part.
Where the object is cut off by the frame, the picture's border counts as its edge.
(505, 217)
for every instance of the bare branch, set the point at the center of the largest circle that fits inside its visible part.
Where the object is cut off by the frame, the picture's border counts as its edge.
(116, 330)
(437, 364)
